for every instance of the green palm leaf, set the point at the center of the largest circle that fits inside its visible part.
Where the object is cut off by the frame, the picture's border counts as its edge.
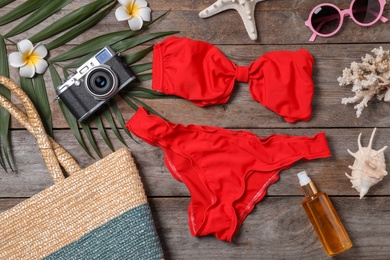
(93, 45)
(107, 114)
(135, 41)
(143, 94)
(36, 90)
(148, 93)
(5, 2)
(42, 103)
(144, 77)
(99, 42)
(69, 20)
(126, 97)
(141, 67)
(4, 115)
(70, 119)
(119, 117)
(88, 133)
(27, 85)
(21, 10)
(80, 61)
(131, 58)
(40, 15)
(99, 123)
(2, 163)
(155, 20)
(150, 109)
(82, 27)
(134, 57)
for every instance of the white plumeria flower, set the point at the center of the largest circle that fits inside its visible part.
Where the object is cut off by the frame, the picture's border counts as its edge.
(134, 11)
(29, 59)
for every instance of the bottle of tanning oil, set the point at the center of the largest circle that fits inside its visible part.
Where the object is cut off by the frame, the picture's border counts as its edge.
(324, 218)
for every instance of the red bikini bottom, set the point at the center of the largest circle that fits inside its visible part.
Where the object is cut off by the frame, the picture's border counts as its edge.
(227, 172)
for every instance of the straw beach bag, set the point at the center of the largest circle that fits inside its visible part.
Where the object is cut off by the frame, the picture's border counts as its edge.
(100, 212)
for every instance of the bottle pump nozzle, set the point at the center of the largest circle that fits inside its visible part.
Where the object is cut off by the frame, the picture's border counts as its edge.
(308, 187)
(303, 178)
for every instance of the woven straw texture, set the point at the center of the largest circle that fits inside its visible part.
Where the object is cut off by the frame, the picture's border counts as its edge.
(73, 207)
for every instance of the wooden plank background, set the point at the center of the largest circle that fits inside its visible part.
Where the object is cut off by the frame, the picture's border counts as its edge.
(278, 227)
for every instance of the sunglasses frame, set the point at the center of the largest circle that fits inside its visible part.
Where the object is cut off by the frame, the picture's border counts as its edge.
(343, 13)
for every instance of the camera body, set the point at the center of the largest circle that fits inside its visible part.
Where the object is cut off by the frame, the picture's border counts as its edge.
(95, 83)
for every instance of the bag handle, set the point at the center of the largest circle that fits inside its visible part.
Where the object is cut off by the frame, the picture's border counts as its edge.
(51, 151)
(64, 158)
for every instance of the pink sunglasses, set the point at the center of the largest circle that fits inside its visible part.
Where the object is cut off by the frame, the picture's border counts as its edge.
(326, 19)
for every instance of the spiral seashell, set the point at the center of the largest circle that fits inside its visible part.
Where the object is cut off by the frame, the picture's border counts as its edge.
(369, 166)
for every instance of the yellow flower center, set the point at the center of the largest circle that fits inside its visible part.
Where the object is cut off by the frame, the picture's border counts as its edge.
(30, 58)
(133, 9)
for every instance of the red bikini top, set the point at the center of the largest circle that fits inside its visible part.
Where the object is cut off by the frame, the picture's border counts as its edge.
(198, 71)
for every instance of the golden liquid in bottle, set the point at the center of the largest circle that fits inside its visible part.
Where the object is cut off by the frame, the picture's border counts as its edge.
(327, 224)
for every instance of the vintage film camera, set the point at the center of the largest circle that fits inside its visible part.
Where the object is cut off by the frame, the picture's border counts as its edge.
(95, 83)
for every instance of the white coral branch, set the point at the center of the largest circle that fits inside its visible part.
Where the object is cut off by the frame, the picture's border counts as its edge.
(369, 78)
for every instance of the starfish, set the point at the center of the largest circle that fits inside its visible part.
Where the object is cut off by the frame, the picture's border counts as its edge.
(246, 9)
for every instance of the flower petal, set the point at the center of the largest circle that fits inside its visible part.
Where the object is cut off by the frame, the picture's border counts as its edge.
(16, 60)
(27, 71)
(126, 3)
(145, 13)
(141, 3)
(25, 47)
(40, 65)
(121, 14)
(135, 23)
(39, 50)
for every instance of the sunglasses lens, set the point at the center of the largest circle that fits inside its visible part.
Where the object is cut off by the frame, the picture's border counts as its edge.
(366, 11)
(325, 19)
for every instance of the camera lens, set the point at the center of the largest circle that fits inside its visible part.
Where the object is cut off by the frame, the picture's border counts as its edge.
(101, 82)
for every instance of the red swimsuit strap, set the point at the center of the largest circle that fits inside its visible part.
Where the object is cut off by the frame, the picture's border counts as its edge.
(200, 72)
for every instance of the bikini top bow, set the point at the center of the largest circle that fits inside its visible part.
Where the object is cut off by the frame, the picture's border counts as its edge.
(198, 71)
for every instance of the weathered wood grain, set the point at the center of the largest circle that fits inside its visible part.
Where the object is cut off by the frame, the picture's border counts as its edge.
(277, 228)
(31, 175)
